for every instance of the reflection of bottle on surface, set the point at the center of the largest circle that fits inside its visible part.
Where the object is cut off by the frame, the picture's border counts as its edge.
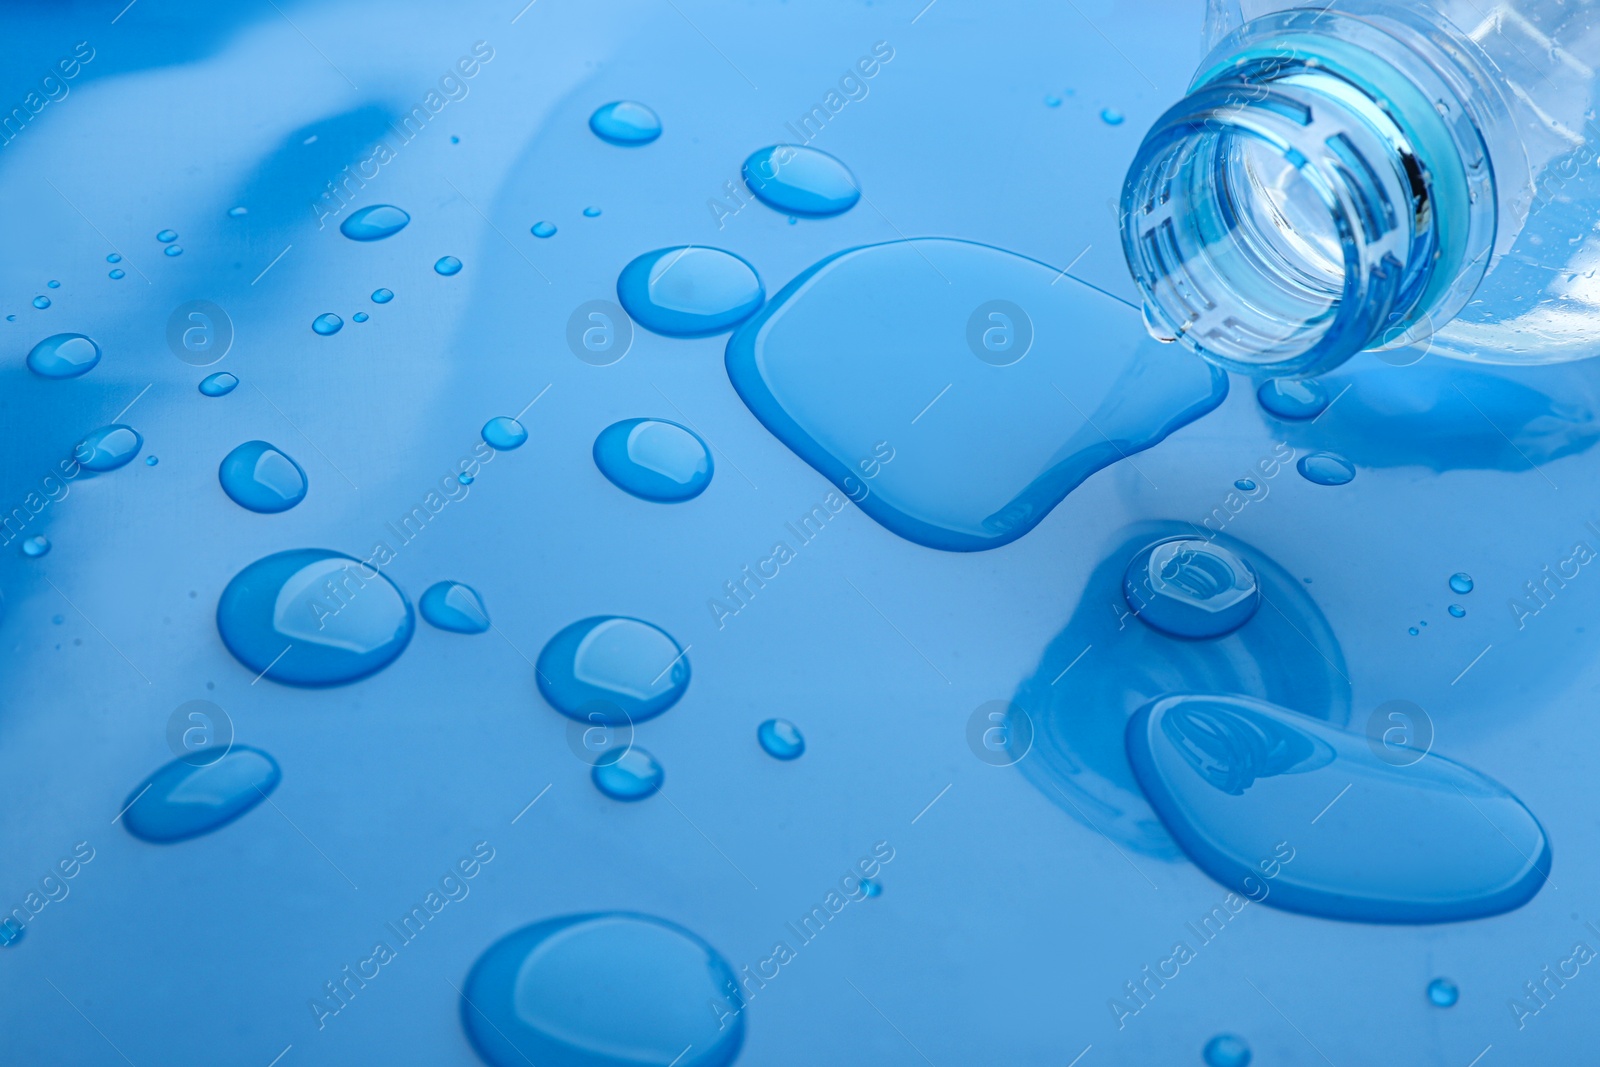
(1372, 175)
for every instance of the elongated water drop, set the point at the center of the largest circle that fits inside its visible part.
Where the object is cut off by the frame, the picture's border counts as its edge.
(108, 448)
(327, 324)
(447, 265)
(1326, 468)
(801, 181)
(626, 123)
(184, 800)
(63, 355)
(503, 433)
(219, 384)
(374, 223)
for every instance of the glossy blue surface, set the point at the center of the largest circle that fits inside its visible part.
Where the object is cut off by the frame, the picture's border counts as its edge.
(312, 617)
(1237, 780)
(625, 669)
(184, 800)
(823, 367)
(260, 477)
(108, 448)
(607, 989)
(689, 291)
(797, 180)
(654, 459)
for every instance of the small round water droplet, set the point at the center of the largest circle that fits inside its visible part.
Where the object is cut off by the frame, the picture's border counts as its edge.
(1292, 398)
(184, 799)
(447, 265)
(108, 448)
(1443, 992)
(801, 181)
(116, 274)
(781, 739)
(626, 123)
(41, 302)
(220, 384)
(614, 989)
(465, 479)
(634, 775)
(591, 212)
(238, 212)
(1111, 116)
(63, 355)
(635, 670)
(173, 250)
(1189, 587)
(313, 617)
(503, 433)
(871, 888)
(1245, 485)
(454, 607)
(1413, 631)
(1052, 101)
(1457, 611)
(654, 460)
(689, 291)
(52, 284)
(454, 139)
(261, 478)
(1227, 1050)
(114, 258)
(166, 237)
(151, 461)
(374, 223)
(382, 296)
(1326, 468)
(327, 324)
(360, 316)
(36, 546)
(1461, 582)
(544, 229)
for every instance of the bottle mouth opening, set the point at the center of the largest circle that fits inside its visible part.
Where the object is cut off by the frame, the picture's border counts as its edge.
(1268, 232)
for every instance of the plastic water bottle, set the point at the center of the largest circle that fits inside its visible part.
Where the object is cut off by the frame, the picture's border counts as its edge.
(1374, 175)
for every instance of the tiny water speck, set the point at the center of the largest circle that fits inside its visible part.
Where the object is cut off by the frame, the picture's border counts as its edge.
(781, 739)
(503, 433)
(238, 212)
(1326, 468)
(1443, 992)
(1226, 1050)
(464, 478)
(113, 258)
(1457, 611)
(36, 546)
(151, 461)
(447, 265)
(327, 324)
(591, 212)
(635, 775)
(1245, 485)
(166, 237)
(871, 888)
(52, 284)
(1461, 582)
(41, 302)
(116, 274)
(382, 296)
(1111, 116)
(173, 250)
(360, 316)
(1413, 631)
(544, 229)
(220, 384)
(1052, 101)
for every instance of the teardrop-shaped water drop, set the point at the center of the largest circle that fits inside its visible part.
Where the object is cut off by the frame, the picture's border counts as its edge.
(374, 223)
(313, 617)
(219, 384)
(781, 739)
(184, 800)
(503, 433)
(654, 459)
(1236, 781)
(609, 989)
(636, 670)
(260, 477)
(802, 181)
(108, 448)
(689, 291)
(63, 355)
(454, 607)
(626, 123)
(634, 775)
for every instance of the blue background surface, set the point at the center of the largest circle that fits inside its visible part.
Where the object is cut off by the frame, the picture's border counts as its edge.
(1006, 924)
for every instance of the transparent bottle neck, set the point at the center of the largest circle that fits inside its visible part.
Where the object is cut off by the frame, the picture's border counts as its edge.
(1323, 189)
